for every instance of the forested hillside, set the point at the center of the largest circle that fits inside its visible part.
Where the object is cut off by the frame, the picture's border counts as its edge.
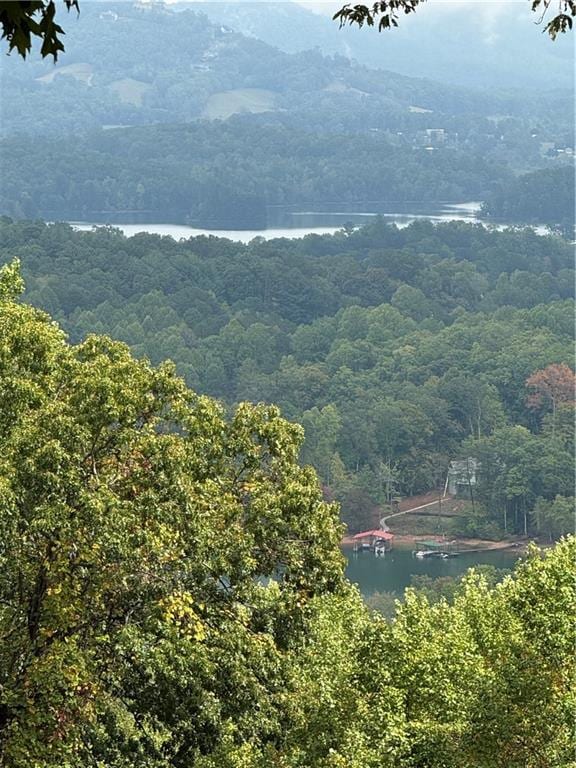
(116, 71)
(193, 430)
(225, 126)
(431, 41)
(171, 592)
(225, 175)
(545, 195)
(211, 71)
(398, 350)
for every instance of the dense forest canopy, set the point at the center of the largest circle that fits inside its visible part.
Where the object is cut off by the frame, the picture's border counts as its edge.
(399, 350)
(545, 195)
(227, 126)
(233, 174)
(137, 626)
(225, 175)
(172, 584)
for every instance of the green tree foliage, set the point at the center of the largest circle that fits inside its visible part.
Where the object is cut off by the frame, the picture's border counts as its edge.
(171, 138)
(171, 594)
(324, 428)
(485, 681)
(449, 587)
(516, 466)
(555, 518)
(139, 526)
(541, 196)
(224, 175)
(104, 80)
(389, 389)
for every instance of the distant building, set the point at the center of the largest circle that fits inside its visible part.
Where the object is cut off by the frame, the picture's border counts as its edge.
(436, 135)
(149, 5)
(462, 474)
(430, 138)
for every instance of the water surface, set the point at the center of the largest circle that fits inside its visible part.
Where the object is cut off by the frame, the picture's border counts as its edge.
(294, 223)
(393, 572)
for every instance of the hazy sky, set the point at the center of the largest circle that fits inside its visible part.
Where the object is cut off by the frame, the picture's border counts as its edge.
(486, 15)
(485, 8)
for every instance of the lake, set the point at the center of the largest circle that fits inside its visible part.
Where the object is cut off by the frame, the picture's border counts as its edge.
(294, 223)
(393, 572)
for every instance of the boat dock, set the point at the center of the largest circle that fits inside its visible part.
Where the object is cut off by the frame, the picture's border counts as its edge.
(421, 554)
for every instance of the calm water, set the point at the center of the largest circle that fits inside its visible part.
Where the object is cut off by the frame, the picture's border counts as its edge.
(180, 231)
(292, 223)
(393, 572)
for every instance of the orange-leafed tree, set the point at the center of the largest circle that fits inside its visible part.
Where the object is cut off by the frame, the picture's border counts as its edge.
(551, 388)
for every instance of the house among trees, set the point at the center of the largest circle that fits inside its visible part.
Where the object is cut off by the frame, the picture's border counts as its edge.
(462, 474)
(436, 136)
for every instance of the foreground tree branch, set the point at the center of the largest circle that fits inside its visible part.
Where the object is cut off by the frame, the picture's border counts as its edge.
(385, 14)
(21, 22)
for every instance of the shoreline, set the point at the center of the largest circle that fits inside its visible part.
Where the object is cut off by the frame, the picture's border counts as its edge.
(408, 541)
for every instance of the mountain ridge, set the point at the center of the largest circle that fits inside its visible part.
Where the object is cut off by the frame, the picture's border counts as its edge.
(99, 82)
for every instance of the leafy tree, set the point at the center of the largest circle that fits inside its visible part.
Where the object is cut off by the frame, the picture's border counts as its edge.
(473, 403)
(171, 594)
(139, 530)
(542, 195)
(509, 482)
(552, 387)
(407, 387)
(324, 426)
(523, 712)
(358, 510)
(485, 682)
(384, 603)
(555, 518)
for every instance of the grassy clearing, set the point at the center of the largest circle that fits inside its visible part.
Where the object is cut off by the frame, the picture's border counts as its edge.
(223, 105)
(130, 91)
(82, 71)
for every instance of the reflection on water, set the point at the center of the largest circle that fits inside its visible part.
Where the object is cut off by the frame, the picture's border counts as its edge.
(180, 231)
(401, 215)
(294, 223)
(393, 572)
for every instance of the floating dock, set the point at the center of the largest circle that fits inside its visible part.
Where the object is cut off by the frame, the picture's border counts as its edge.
(421, 554)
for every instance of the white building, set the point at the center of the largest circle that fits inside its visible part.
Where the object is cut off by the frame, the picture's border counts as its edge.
(462, 475)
